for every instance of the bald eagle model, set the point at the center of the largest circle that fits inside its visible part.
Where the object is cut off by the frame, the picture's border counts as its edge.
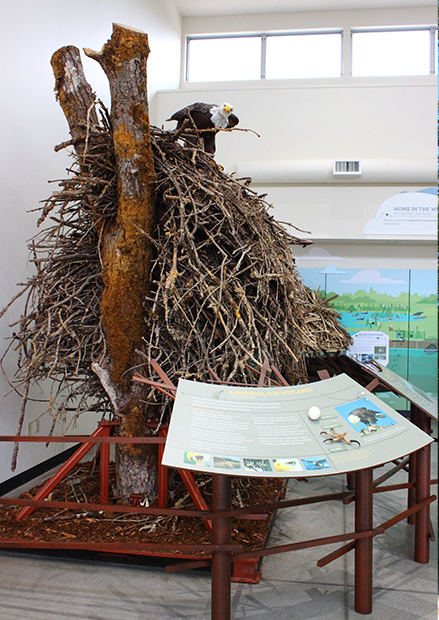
(206, 116)
(367, 416)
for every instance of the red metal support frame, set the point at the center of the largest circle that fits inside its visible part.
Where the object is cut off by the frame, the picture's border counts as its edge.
(104, 469)
(221, 560)
(411, 499)
(62, 472)
(162, 482)
(411, 495)
(263, 374)
(195, 494)
(422, 519)
(363, 546)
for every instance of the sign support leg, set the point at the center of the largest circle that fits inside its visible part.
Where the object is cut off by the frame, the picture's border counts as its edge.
(221, 560)
(363, 546)
(411, 500)
(422, 517)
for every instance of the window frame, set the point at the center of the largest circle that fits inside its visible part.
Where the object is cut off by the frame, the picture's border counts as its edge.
(345, 34)
(263, 38)
(233, 35)
(433, 29)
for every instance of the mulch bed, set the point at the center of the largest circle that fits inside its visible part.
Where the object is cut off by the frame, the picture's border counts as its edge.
(82, 485)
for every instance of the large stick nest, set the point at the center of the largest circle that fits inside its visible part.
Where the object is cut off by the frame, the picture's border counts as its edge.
(224, 289)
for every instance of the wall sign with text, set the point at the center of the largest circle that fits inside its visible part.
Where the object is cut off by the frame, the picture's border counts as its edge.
(408, 213)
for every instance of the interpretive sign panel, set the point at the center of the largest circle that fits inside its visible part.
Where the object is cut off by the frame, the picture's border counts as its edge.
(404, 388)
(330, 426)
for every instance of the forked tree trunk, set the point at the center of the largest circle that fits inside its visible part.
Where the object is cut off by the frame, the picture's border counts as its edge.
(125, 249)
(74, 94)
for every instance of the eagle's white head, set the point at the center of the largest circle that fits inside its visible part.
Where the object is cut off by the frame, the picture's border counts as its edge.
(353, 419)
(220, 115)
(226, 109)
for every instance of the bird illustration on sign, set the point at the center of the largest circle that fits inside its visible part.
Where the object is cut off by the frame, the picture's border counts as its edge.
(364, 416)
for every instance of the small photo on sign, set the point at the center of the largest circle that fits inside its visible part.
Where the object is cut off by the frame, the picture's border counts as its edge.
(287, 465)
(319, 462)
(257, 465)
(226, 462)
(196, 458)
(364, 416)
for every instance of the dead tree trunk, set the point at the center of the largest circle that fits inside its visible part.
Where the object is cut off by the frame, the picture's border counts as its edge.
(125, 249)
(74, 94)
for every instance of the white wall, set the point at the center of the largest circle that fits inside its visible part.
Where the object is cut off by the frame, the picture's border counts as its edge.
(32, 123)
(388, 123)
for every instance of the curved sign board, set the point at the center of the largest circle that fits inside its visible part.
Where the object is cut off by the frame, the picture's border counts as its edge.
(327, 427)
(425, 402)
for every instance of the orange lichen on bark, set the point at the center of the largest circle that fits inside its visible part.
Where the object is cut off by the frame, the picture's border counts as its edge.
(126, 250)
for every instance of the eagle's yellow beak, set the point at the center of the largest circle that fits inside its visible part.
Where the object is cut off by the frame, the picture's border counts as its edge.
(228, 108)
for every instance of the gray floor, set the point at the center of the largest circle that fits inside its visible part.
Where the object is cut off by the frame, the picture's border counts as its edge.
(292, 588)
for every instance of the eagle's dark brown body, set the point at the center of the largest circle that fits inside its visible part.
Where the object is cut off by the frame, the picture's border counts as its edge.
(200, 114)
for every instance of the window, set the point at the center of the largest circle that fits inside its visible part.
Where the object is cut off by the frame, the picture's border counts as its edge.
(303, 56)
(385, 51)
(271, 56)
(223, 58)
(393, 52)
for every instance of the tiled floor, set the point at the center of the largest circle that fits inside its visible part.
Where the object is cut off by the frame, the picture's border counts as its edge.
(292, 588)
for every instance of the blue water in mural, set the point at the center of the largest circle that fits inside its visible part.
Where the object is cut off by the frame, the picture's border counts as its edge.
(354, 320)
(419, 366)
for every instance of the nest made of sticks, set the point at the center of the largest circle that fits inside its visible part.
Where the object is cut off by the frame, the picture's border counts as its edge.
(224, 289)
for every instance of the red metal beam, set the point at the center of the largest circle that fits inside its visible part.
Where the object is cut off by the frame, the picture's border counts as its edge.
(162, 481)
(242, 513)
(279, 375)
(169, 391)
(323, 374)
(307, 544)
(117, 547)
(91, 439)
(104, 465)
(161, 373)
(263, 373)
(61, 473)
(181, 566)
(373, 384)
(195, 494)
(335, 554)
(45, 503)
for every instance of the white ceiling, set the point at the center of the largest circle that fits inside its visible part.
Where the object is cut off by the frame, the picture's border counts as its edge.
(191, 8)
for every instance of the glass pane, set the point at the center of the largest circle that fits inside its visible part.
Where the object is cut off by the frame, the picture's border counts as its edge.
(303, 56)
(214, 60)
(391, 53)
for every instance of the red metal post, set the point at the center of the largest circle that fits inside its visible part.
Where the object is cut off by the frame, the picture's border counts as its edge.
(221, 560)
(363, 546)
(61, 473)
(104, 469)
(411, 498)
(350, 481)
(411, 494)
(422, 517)
(162, 474)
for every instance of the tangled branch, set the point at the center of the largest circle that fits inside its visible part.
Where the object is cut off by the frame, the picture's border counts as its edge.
(224, 289)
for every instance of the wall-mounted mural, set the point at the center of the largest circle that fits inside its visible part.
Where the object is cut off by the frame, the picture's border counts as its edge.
(397, 306)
